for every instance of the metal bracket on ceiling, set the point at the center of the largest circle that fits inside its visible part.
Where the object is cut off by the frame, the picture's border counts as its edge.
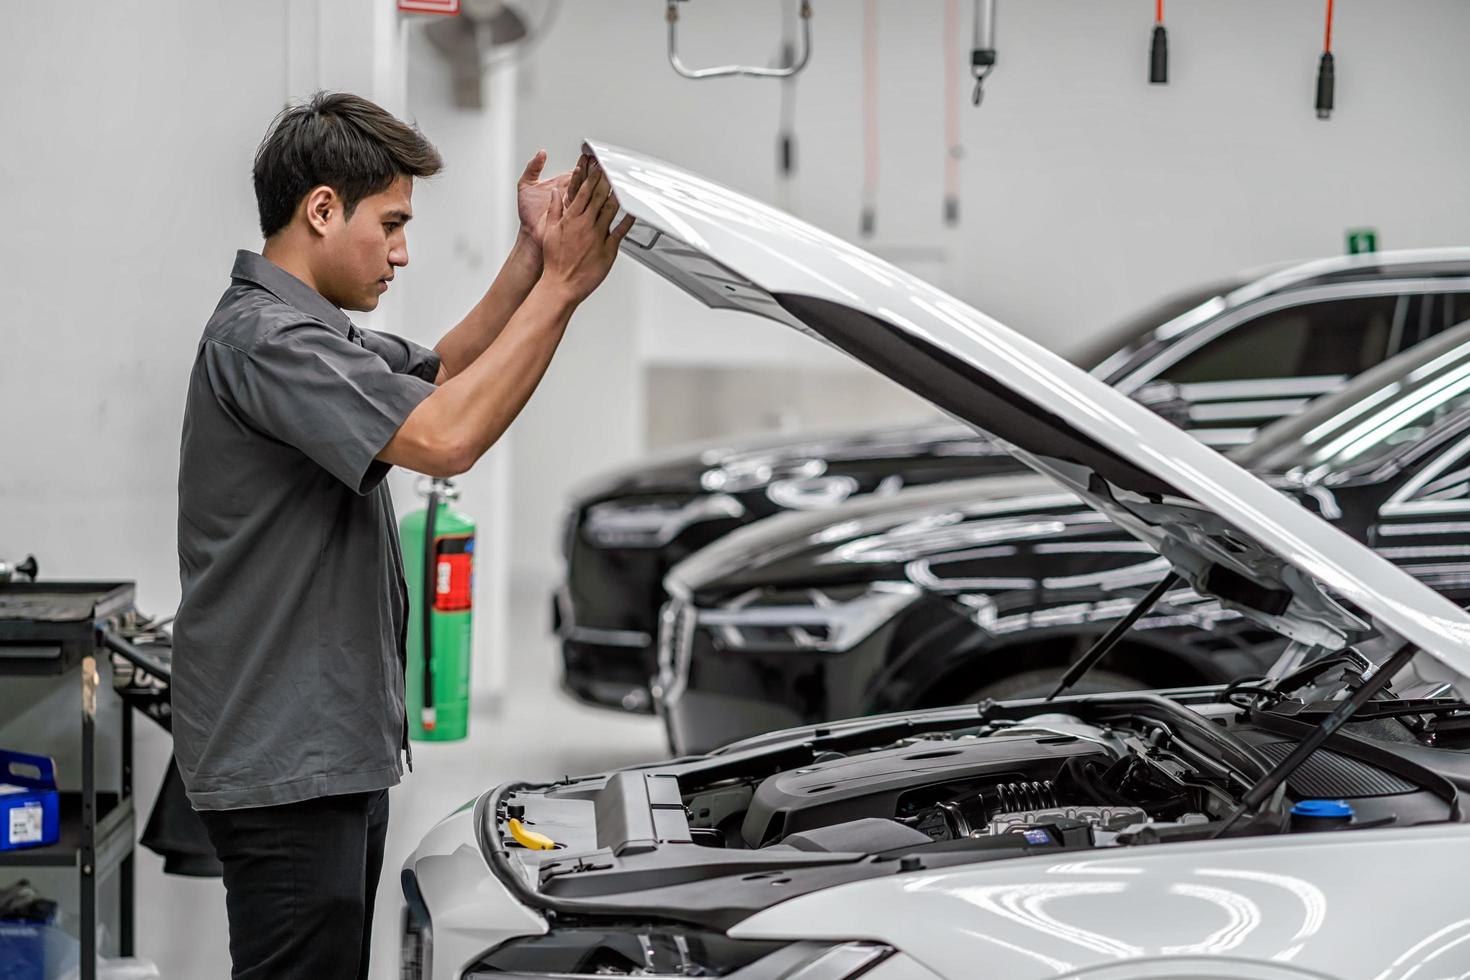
(795, 65)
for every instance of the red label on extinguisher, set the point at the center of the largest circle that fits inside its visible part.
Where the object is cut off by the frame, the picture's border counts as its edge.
(454, 573)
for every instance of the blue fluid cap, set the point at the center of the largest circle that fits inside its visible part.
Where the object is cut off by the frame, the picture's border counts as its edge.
(1323, 809)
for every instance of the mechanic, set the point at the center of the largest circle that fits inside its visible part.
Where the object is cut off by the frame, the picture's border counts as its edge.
(288, 706)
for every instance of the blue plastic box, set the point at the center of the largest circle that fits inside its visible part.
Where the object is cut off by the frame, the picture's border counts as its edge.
(30, 810)
(30, 950)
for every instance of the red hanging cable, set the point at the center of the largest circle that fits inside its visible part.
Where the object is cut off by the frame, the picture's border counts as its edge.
(1327, 40)
(1158, 11)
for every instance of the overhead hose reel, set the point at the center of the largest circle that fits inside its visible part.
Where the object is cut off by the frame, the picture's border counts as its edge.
(791, 67)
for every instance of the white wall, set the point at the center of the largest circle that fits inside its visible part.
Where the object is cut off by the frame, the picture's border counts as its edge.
(1086, 192)
(129, 128)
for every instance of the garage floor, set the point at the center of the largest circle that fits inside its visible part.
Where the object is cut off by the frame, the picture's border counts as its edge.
(534, 731)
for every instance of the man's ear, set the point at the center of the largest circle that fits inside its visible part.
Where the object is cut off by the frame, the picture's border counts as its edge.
(321, 206)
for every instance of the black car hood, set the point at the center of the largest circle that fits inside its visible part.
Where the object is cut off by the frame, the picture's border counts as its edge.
(882, 533)
(735, 465)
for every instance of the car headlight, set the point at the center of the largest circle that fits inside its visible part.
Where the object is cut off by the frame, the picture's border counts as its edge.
(653, 524)
(832, 621)
(749, 472)
(812, 493)
(671, 952)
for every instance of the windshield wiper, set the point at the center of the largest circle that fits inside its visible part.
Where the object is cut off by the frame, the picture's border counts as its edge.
(1110, 639)
(1273, 779)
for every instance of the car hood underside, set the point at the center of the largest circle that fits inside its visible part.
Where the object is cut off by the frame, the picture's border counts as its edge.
(1226, 532)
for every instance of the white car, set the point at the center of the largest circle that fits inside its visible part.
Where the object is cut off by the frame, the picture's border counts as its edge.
(1304, 824)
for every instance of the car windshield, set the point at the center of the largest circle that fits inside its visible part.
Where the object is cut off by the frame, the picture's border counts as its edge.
(1387, 409)
(1117, 342)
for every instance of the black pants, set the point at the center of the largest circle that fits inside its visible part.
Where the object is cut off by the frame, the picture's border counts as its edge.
(299, 885)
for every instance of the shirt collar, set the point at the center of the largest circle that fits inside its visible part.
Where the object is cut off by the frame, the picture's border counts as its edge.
(257, 269)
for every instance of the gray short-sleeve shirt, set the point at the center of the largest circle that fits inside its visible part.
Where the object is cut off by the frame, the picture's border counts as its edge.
(289, 642)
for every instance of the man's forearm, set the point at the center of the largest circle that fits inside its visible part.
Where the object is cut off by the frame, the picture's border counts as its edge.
(461, 346)
(452, 428)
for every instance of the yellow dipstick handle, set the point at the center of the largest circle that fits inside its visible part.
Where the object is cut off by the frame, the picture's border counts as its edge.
(529, 838)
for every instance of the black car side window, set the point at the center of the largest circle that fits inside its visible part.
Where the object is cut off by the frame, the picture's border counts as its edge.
(1454, 310)
(1339, 337)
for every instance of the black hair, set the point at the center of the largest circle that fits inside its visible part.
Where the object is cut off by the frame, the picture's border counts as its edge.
(353, 146)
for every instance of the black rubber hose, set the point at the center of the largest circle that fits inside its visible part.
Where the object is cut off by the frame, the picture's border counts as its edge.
(1158, 57)
(431, 577)
(1326, 82)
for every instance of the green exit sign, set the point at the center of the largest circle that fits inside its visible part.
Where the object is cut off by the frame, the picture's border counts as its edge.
(1360, 240)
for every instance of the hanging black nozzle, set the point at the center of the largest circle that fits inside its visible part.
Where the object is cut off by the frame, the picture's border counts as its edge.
(1326, 79)
(868, 222)
(982, 48)
(982, 63)
(951, 211)
(1158, 57)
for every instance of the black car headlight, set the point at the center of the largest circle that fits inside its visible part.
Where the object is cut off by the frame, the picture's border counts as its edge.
(671, 952)
(812, 493)
(653, 523)
(830, 621)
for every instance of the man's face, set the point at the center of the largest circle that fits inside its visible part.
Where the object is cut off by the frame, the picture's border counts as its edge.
(363, 252)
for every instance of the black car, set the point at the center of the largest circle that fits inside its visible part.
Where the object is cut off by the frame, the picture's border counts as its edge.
(989, 588)
(1221, 360)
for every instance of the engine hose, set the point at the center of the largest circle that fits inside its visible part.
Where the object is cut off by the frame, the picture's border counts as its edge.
(1018, 797)
(426, 614)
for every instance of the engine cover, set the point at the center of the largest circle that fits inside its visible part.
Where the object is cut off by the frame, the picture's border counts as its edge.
(874, 783)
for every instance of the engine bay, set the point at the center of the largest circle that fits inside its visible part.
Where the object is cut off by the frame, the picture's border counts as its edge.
(944, 788)
(1048, 778)
(960, 786)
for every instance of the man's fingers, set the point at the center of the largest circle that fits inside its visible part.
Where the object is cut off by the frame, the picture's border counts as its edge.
(553, 208)
(532, 173)
(595, 179)
(621, 231)
(602, 194)
(606, 213)
(575, 179)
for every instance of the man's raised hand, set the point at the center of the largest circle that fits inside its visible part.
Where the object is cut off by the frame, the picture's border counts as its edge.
(580, 244)
(533, 195)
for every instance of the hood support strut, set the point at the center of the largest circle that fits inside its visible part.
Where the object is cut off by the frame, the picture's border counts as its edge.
(1110, 639)
(1269, 783)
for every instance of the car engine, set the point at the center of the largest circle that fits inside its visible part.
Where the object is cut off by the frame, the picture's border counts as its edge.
(960, 786)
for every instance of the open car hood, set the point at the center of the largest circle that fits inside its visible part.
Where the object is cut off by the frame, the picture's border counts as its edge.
(1225, 531)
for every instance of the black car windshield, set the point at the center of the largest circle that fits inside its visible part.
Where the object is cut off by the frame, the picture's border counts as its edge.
(1385, 410)
(1116, 345)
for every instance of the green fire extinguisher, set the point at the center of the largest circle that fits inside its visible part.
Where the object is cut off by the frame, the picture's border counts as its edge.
(438, 562)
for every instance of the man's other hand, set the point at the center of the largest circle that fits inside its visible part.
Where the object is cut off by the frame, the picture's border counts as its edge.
(580, 243)
(533, 195)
